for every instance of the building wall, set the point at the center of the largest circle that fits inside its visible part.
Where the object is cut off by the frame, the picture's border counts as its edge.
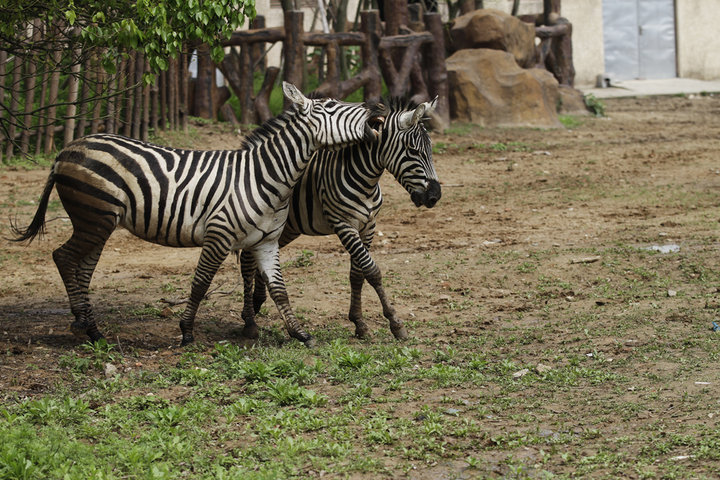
(698, 39)
(587, 38)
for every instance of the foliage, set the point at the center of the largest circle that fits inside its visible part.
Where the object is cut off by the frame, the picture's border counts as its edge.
(595, 105)
(158, 28)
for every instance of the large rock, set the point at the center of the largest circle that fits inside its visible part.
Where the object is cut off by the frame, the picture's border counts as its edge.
(489, 28)
(488, 88)
(572, 101)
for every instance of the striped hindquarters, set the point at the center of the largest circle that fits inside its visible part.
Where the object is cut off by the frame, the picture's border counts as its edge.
(160, 194)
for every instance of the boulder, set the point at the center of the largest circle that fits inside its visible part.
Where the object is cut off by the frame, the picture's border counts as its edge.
(572, 101)
(490, 28)
(488, 88)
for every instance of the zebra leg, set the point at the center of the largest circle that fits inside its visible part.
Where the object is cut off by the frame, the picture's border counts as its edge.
(76, 260)
(260, 292)
(267, 258)
(214, 252)
(362, 261)
(355, 316)
(249, 273)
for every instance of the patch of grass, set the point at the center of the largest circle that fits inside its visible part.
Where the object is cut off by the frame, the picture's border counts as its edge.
(595, 105)
(570, 121)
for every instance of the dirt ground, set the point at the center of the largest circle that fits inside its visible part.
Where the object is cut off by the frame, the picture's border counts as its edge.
(536, 229)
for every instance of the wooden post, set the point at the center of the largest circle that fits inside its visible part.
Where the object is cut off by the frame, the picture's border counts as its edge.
(293, 49)
(118, 103)
(52, 100)
(204, 84)
(3, 59)
(154, 104)
(258, 58)
(435, 66)
(137, 94)
(30, 81)
(110, 105)
(162, 121)
(172, 86)
(127, 129)
(247, 113)
(369, 26)
(14, 107)
(98, 90)
(396, 14)
(73, 91)
(145, 126)
(262, 100)
(183, 98)
(43, 92)
(333, 69)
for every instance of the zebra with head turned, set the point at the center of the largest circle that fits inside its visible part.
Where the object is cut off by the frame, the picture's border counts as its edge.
(340, 193)
(221, 201)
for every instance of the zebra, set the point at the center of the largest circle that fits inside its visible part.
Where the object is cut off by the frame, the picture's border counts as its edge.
(339, 194)
(221, 200)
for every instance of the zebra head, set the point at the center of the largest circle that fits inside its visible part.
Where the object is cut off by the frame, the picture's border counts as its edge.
(407, 149)
(335, 124)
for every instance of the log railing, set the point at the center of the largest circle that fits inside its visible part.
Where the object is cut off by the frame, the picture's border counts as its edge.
(43, 107)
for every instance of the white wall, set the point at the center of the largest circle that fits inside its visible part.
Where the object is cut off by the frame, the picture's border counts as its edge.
(698, 39)
(587, 39)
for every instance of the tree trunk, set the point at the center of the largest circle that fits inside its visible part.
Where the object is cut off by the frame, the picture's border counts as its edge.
(370, 26)
(4, 138)
(14, 107)
(52, 101)
(138, 95)
(294, 50)
(30, 83)
(204, 84)
(127, 128)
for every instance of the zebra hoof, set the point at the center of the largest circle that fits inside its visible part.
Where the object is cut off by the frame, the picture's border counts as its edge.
(399, 332)
(310, 342)
(187, 340)
(250, 332)
(362, 332)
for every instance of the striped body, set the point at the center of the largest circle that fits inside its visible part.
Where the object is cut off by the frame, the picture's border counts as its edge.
(339, 193)
(221, 201)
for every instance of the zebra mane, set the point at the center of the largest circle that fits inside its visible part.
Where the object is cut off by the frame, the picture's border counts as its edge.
(399, 104)
(267, 129)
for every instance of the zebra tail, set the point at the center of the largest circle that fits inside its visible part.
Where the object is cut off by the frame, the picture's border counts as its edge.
(37, 226)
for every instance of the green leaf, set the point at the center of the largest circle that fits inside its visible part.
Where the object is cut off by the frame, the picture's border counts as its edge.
(70, 16)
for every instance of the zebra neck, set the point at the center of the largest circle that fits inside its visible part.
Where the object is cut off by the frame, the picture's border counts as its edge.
(286, 143)
(366, 161)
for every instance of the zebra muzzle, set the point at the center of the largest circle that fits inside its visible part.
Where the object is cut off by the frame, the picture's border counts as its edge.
(428, 197)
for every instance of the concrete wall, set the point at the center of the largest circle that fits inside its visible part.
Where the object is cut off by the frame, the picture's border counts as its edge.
(698, 39)
(587, 38)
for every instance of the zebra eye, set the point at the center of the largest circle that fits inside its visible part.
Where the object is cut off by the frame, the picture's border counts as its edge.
(330, 104)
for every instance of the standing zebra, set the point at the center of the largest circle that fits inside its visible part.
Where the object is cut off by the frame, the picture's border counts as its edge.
(221, 201)
(339, 193)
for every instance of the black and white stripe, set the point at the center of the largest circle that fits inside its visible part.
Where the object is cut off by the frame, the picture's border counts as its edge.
(339, 194)
(221, 201)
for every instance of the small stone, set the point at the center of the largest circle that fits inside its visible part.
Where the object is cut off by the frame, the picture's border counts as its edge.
(452, 411)
(671, 293)
(110, 370)
(521, 373)
(540, 368)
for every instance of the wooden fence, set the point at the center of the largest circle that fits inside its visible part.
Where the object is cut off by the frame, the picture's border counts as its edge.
(44, 109)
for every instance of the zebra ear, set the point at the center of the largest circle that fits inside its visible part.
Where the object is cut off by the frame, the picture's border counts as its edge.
(430, 106)
(294, 95)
